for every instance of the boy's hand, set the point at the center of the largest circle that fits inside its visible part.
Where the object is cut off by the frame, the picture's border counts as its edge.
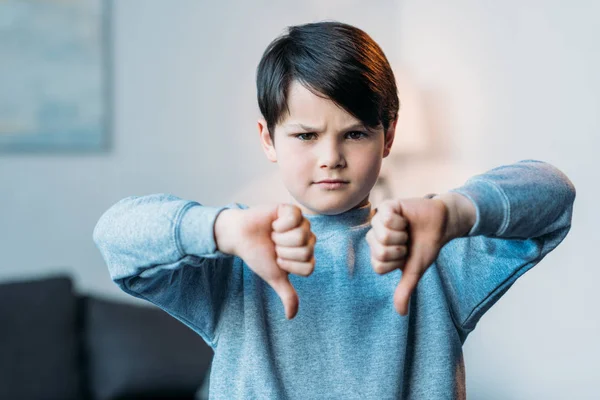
(409, 234)
(274, 241)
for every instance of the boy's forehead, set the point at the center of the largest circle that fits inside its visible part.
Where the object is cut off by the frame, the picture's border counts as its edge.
(298, 126)
(308, 111)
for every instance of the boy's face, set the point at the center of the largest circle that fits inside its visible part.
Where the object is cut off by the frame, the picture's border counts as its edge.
(319, 140)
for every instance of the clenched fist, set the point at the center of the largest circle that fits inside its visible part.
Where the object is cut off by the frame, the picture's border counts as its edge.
(408, 235)
(274, 241)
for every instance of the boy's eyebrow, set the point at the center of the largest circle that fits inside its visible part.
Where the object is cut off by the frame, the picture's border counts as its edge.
(357, 125)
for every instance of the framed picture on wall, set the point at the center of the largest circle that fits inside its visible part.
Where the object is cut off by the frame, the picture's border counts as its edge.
(54, 75)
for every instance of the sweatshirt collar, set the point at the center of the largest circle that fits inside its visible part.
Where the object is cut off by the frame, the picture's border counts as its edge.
(320, 223)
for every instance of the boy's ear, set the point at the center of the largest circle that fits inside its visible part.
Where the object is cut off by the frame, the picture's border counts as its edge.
(389, 138)
(265, 140)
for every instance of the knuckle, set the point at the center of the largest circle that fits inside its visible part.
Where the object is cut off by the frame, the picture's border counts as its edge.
(403, 223)
(297, 215)
(305, 236)
(306, 254)
(281, 263)
(307, 223)
(403, 250)
(378, 267)
(383, 254)
(303, 272)
(403, 236)
(399, 251)
(295, 238)
(377, 256)
(386, 237)
(387, 220)
(307, 269)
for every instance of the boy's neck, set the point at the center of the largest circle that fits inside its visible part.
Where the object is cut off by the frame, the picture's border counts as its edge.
(354, 217)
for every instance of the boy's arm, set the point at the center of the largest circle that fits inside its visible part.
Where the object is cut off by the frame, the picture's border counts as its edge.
(524, 200)
(522, 212)
(162, 249)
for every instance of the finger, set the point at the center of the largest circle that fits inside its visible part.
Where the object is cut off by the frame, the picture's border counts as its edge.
(289, 216)
(287, 294)
(297, 267)
(302, 253)
(388, 236)
(388, 253)
(408, 282)
(383, 267)
(383, 253)
(390, 219)
(294, 238)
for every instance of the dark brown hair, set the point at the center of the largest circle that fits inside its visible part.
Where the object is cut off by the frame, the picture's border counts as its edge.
(332, 59)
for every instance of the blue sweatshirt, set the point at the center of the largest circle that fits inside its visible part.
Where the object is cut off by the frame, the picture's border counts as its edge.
(347, 340)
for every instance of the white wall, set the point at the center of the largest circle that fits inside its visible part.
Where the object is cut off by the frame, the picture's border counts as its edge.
(185, 116)
(495, 82)
(519, 80)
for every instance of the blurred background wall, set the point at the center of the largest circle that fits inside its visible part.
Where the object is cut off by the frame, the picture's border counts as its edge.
(481, 84)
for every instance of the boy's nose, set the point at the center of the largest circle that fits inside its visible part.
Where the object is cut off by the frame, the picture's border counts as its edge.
(331, 157)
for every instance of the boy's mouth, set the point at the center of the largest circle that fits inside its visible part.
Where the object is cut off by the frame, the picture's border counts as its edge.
(332, 183)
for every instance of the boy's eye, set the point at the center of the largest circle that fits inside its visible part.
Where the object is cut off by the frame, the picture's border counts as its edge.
(354, 135)
(357, 135)
(302, 136)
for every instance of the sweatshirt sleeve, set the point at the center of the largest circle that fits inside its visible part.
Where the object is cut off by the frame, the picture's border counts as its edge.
(524, 211)
(162, 249)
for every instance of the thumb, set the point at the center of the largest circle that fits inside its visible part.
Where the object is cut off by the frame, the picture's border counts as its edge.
(286, 293)
(411, 273)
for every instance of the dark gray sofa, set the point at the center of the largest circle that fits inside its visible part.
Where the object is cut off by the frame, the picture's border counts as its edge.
(58, 344)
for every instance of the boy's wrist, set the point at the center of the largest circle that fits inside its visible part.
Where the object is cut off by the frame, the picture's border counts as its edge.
(461, 214)
(224, 231)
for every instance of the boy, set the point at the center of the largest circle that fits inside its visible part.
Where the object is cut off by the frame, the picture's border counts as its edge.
(329, 102)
